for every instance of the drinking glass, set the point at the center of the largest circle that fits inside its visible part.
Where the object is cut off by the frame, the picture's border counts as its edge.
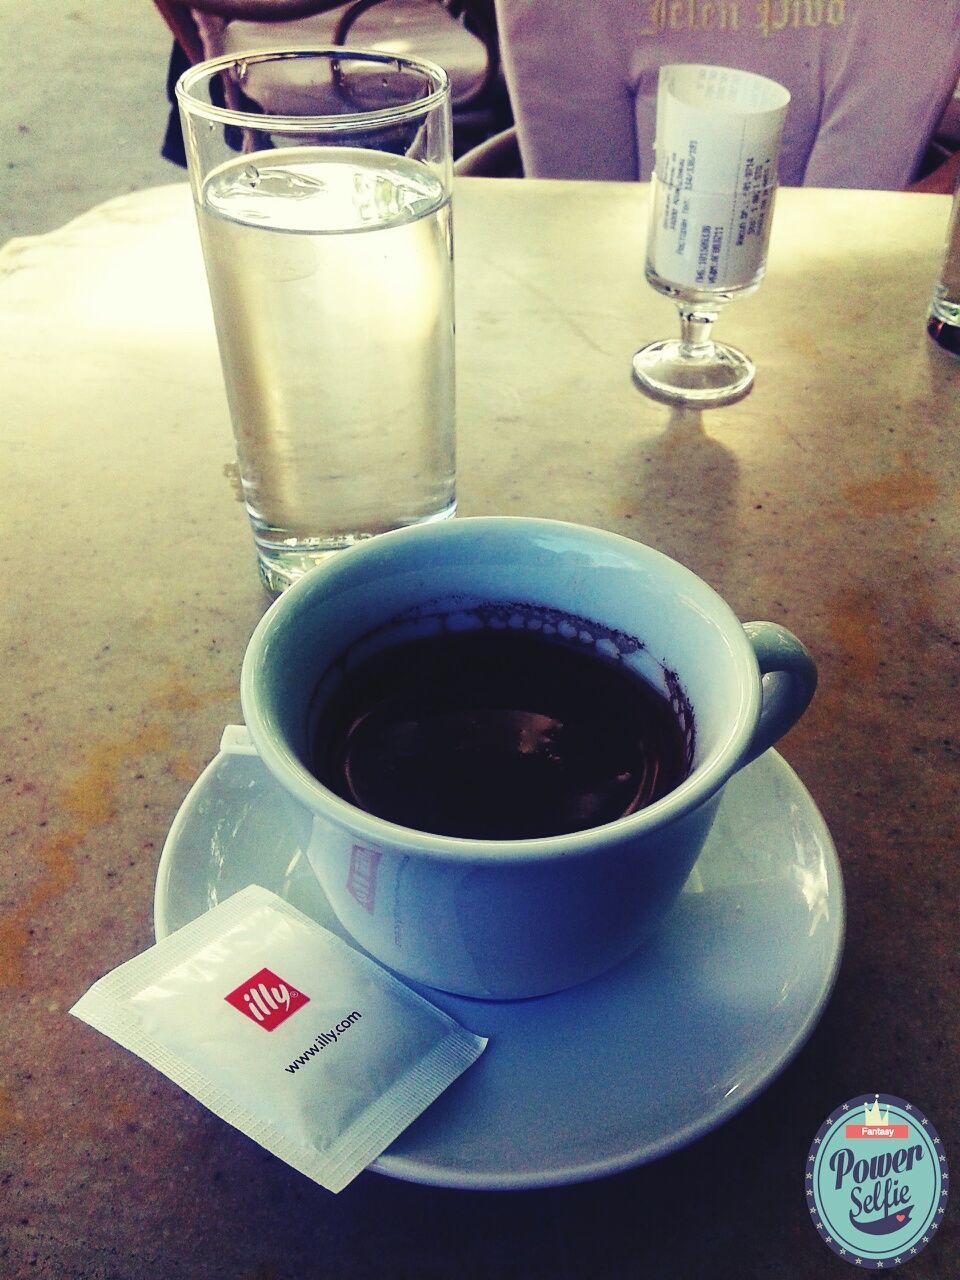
(943, 317)
(695, 369)
(712, 196)
(322, 182)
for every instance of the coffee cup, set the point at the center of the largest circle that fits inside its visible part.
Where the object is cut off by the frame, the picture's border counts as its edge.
(514, 915)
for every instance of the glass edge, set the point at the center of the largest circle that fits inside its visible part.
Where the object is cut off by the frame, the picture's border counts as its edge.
(280, 123)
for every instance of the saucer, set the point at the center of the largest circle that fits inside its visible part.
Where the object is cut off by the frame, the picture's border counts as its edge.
(622, 1069)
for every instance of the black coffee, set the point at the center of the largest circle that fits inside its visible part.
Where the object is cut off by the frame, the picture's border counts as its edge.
(498, 734)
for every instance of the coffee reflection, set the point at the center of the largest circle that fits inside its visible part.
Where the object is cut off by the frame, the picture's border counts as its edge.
(499, 733)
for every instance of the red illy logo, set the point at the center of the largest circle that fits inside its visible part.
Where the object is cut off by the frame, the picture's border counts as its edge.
(267, 999)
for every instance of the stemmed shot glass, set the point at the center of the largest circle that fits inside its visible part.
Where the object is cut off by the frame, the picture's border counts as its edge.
(712, 193)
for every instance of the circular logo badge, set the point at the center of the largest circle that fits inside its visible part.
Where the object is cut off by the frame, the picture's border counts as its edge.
(877, 1181)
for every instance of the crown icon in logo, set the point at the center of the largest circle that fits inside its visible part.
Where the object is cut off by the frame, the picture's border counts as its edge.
(872, 1114)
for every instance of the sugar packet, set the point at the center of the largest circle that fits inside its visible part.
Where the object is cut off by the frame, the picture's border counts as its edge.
(285, 1031)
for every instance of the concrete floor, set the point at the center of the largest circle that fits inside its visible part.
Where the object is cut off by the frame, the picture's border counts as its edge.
(84, 107)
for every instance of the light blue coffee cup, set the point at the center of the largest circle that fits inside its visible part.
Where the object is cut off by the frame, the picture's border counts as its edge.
(503, 919)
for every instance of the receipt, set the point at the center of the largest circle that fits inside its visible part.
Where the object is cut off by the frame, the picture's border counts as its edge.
(717, 142)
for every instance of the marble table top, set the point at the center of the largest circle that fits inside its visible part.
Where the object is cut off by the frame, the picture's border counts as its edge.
(826, 500)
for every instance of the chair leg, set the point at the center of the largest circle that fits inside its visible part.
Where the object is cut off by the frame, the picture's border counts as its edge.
(180, 21)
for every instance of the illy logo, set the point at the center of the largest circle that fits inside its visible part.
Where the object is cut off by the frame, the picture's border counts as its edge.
(267, 999)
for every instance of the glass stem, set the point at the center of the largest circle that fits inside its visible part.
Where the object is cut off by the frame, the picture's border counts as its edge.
(695, 326)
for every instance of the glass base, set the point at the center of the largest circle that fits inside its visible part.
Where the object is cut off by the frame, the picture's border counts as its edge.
(945, 335)
(666, 373)
(943, 321)
(282, 563)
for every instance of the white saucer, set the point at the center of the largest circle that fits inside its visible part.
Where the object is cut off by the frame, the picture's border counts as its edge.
(620, 1070)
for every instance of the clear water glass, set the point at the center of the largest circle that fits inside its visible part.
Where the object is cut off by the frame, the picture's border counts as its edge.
(322, 184)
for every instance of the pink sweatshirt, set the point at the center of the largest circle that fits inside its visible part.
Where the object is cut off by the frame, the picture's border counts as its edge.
(869, 79)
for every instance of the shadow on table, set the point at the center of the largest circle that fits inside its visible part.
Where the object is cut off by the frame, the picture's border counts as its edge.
(683, 478)
(729, 1206)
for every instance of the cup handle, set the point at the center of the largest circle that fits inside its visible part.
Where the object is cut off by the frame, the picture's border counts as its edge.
(789, 677)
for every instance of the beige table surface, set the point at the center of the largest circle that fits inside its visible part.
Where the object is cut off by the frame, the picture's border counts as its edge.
(826, 500)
